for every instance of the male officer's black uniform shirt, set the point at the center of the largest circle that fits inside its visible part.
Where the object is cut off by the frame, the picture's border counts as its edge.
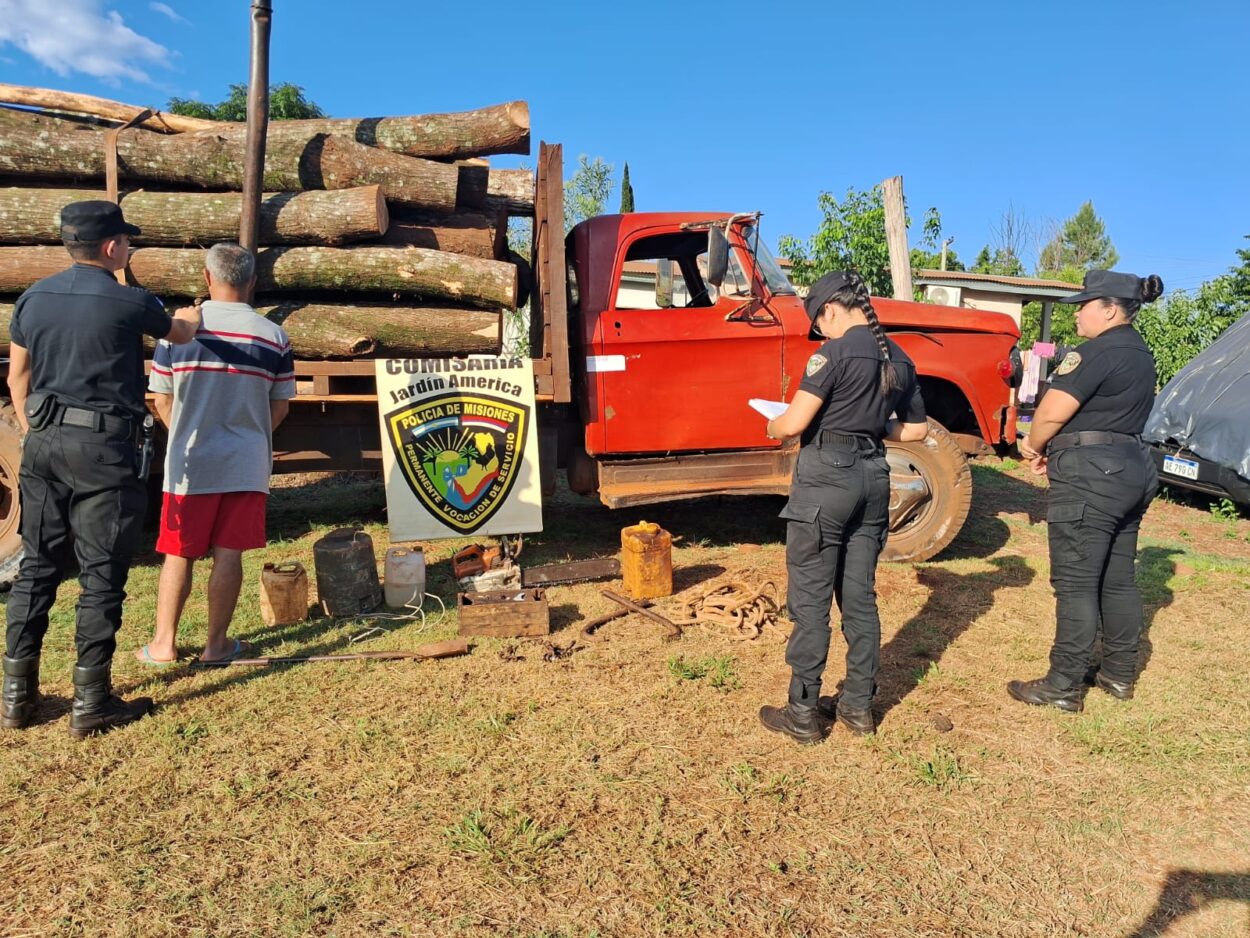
(1113, 376)
(846, 374)
(84, 332)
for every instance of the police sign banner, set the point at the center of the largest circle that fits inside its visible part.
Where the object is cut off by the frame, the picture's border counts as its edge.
(459, 446)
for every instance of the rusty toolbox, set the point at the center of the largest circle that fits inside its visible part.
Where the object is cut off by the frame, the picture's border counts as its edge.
(504, 613)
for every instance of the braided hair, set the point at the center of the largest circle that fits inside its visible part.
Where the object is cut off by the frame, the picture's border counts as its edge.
(855, 296)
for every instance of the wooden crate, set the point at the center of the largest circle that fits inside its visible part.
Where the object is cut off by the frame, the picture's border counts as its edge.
(504, 613)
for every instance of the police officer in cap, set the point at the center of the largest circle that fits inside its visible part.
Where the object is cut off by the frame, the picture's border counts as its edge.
(76, 380)
(859, 390)
(1086, 436)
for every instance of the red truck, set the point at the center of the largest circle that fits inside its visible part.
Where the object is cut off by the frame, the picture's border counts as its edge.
(645, 399)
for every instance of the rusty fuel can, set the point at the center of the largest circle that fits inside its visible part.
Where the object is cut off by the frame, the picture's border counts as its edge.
(283, 593)
(347, 573)
(647, 561)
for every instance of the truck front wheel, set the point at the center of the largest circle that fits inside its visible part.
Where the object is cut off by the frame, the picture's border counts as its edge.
(10, 464)
(930, 495)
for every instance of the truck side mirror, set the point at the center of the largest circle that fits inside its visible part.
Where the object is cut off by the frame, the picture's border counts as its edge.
(664, 283)
(717, 256)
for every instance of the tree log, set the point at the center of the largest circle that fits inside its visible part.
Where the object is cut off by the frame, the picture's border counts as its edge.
(501, 128)
(462, 233)
(322, 330)
(103, 107)
(32, 216)
(514, 188)
(327, 331)
(408, 271)
(40, 146)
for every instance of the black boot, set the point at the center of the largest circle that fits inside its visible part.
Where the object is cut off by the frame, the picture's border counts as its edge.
(798, 722)
(859, 722)
(1042, 693)
(1120, 690)
(96, 710)
(21, 691)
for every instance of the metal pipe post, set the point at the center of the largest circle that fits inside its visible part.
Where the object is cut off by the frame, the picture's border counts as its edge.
(257, 125)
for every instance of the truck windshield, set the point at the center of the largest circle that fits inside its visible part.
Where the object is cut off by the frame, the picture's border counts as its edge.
(777, 281)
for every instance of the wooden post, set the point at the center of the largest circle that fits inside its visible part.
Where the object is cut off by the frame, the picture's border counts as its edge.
(896, 237)
(257, 125)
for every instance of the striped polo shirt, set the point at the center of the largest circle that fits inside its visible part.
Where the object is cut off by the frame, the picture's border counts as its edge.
(222, 383)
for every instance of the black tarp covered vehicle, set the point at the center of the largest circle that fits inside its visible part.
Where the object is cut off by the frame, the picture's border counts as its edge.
(1200, 424)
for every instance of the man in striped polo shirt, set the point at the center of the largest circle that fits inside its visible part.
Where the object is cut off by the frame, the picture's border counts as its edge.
(221, 396)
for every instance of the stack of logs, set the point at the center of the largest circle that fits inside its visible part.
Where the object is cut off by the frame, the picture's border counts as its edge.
(379, 237)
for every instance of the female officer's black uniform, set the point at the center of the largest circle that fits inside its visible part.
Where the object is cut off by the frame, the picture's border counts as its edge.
(838, 513)
(1102, 478)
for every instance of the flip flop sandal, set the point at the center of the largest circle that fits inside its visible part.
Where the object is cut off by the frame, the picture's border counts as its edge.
(145, 657)
(241, 649)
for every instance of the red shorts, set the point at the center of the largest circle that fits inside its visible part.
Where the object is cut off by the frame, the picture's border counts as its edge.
(192, 525)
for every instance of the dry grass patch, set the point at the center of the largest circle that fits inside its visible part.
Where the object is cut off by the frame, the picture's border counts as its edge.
(629, 789)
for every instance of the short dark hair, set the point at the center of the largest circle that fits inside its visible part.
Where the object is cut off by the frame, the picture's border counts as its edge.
(230, 264)
(85, 250)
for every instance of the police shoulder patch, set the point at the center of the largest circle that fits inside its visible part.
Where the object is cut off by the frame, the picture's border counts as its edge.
(1069, 363)
(815, 363)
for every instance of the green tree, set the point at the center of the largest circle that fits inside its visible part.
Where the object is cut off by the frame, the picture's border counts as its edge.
(1182, 325)
(932, 260)
(1081, 244)
(627, 192)
(851, 236)
(286, 103)
(1240, 277)
(999, 261)
(587, 191)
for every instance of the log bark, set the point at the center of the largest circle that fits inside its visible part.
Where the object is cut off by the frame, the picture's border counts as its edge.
(463, 233)
(514, 188)
(103, 107)
(40, 146)
(501, 128)
(32, 216)
(473, 281)
(320, 330)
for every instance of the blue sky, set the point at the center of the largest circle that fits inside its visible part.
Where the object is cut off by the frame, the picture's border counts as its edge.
(1139, 106)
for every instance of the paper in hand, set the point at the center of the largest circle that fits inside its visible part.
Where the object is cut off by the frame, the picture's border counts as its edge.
(770, 409)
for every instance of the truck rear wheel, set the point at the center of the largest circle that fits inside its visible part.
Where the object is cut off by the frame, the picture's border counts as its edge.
(10, 515)
(930, 495)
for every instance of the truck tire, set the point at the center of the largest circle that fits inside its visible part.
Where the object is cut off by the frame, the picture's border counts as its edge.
(10, 515)
(930, 495)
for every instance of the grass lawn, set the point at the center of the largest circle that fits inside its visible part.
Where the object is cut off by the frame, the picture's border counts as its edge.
(629, 789)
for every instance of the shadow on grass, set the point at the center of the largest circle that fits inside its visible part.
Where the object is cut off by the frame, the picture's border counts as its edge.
(267, 636)
(955, 601)
(1155, 569)
(994, 493)
(1185, 892)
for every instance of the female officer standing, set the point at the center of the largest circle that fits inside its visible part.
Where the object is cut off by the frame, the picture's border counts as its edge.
(838, 510)
(1086, 436)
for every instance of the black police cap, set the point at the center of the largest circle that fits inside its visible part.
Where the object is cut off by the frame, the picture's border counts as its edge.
(1107, 285)
(93, 220)
(820, 293)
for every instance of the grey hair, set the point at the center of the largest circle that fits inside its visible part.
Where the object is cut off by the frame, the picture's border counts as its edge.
(230, 264)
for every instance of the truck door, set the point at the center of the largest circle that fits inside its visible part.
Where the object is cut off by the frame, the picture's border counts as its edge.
(676, 373)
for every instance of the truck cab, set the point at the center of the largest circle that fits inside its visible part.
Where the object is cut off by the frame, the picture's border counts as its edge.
(660, 381)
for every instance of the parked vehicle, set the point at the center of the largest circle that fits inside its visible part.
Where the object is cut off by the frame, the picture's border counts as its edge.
(646, 402)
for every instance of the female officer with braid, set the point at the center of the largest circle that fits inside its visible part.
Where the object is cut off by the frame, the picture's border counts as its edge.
(1086, 436)
(838, 510)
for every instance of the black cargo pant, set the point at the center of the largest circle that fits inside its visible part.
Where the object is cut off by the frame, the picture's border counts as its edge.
(79, 481)
(1098, 495)
(838, 516)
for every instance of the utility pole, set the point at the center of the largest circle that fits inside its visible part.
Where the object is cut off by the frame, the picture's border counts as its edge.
(950, 240)
(896, 237)
(257, 125)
